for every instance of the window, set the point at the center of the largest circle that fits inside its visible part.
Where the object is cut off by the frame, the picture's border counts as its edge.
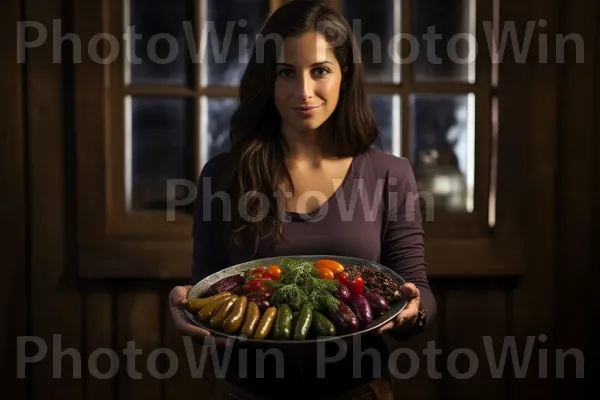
(167, 101)
(425, 74)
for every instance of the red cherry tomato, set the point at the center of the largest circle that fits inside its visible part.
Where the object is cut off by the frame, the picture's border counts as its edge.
(274, 272)
(261, 277)
(252, 286)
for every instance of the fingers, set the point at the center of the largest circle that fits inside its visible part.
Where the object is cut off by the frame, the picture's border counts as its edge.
(180, 318)
(406, 315)
(409, 313)
(184, 325)
(398, 321)
(177, 301)
(410, 291)
(385, 327)
(178, 295)
(194, 331)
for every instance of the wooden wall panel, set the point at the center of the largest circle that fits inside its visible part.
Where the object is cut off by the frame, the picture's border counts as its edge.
(183, 383)
(13, 289)
(423, 382)
(594, 295)
(532, 312)
(99, 331)
(56, 305)
(475, 328)
(576, 168)
(139, 327)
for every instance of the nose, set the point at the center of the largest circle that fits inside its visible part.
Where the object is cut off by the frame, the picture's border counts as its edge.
(304, 87)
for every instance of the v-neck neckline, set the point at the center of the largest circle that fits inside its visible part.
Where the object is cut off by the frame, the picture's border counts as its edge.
(350, 174)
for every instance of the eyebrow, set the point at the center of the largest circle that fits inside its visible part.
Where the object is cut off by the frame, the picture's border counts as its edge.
(313, 65)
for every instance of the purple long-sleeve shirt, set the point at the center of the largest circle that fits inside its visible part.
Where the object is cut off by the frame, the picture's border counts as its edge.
(374, 215)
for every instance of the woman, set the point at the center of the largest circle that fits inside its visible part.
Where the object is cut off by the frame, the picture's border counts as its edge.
(302, 145)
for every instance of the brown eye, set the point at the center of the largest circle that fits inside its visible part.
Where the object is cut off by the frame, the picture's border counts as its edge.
(321, 71)
(284, 72)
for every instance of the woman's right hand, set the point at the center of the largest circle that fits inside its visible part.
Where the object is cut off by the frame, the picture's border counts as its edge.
(177, 302)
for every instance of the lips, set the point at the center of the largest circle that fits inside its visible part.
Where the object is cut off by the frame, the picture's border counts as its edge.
(306, 111)
(306, 108)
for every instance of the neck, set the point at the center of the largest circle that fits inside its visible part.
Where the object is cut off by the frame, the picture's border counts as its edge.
(311, 145)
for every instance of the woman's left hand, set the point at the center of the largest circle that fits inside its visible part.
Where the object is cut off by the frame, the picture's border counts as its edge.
(406, 320)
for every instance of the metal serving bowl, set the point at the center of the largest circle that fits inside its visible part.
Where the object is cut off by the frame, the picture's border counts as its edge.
(201, 287)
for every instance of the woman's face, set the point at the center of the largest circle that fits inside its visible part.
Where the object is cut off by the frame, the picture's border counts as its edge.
(307, 88)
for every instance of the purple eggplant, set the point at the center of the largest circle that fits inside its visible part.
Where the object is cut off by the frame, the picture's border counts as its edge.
(225, 285)
(344, 319)
(361, 308)
(342, 292)
(378, 303)
(261, 300)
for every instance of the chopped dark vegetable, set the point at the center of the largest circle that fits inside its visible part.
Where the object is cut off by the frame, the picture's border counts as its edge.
(377, 281)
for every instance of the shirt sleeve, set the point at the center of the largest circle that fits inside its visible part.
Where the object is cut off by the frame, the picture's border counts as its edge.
(403, 239)
(209, 248)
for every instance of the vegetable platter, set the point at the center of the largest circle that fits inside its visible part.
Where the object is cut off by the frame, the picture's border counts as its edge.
(296, 299)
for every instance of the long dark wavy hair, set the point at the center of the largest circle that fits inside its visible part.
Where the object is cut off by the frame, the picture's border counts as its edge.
(257, 147)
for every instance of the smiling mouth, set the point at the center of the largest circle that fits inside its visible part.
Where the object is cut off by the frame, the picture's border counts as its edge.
(306, 111)
(306, 108)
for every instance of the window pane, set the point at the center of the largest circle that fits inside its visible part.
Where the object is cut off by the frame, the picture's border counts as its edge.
(160, 147)
(216, 117)
(229, 31)
(443, 156)
(159, 49)
(387, 114)
(494, 166)
(374, 24)
(444, 29)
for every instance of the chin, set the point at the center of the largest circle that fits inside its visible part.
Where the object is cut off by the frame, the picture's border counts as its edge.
(303, 124)
(308, 125)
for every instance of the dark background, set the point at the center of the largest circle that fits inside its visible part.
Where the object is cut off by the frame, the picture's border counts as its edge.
(42, 293)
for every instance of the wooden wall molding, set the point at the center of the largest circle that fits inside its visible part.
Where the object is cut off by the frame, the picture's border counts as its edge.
(13, 213)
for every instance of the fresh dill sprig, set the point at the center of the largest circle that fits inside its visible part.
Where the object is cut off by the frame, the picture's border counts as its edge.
(295, 271)
(321, 286)
(272, 284)
(290, 294)
(329, 302)
(299, 284)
